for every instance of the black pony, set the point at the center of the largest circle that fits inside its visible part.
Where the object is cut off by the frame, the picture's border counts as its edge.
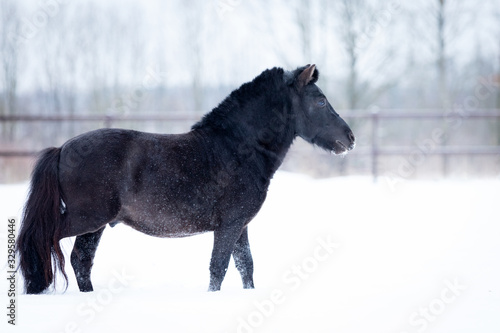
(213, 178)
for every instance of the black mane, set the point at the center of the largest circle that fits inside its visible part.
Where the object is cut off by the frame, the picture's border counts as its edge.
(269, 84)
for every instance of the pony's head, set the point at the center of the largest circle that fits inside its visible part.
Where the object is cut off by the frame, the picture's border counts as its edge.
(316, 120)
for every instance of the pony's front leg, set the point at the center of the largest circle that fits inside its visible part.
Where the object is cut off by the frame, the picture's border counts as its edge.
(224, 244)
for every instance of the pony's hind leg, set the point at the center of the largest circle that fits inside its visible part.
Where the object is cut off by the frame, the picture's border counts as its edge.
(82, 258)
(243, 259)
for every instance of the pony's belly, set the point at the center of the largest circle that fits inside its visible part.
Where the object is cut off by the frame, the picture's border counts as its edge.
(169, 226)
(166, 233)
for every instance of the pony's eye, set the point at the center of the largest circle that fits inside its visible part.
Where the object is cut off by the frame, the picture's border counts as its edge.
(321, 103)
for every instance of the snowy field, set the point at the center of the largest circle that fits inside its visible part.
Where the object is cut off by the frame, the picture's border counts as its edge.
(336, 255)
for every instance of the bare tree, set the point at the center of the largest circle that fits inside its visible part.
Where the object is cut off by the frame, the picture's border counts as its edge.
(51, 54)
(9, 25)
(194, 26)
(449, 21)
(437, 27)
(304, 22)
(497, 74)
(350, 37)
(359, 24)
(441, 20)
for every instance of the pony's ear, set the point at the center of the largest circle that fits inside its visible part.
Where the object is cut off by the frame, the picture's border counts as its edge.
(308, 75)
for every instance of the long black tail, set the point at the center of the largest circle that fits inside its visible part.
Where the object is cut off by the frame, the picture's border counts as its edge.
(38, 240)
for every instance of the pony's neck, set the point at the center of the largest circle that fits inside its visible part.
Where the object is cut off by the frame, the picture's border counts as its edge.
(255, 122)
(257, 134)
(271, 137)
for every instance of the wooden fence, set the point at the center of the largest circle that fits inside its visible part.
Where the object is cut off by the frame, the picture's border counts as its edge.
(376, 119)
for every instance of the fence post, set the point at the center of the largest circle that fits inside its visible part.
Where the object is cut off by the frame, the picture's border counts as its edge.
(374, 140)
(107, 121)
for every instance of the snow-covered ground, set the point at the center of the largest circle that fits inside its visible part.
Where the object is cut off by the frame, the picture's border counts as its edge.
(336, 255)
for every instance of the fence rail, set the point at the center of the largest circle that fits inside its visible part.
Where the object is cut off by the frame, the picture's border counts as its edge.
(375, 118)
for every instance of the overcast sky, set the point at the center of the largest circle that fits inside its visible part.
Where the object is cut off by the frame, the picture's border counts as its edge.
(237, 39)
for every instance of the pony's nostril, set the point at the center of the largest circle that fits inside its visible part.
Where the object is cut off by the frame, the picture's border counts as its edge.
(351, 137)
